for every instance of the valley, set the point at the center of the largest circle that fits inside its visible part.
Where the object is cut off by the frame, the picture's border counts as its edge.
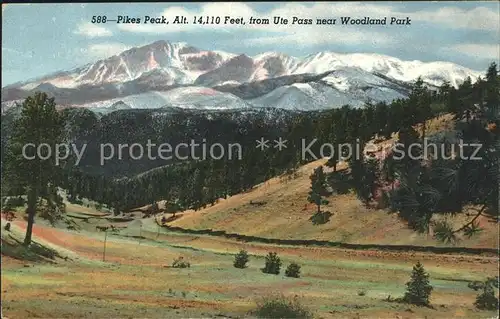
(136, 278)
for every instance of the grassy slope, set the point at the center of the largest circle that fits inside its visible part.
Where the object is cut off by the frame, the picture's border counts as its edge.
(134, 281)
(286, 214)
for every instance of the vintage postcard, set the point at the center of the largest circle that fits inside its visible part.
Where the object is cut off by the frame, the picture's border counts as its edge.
(250, 160)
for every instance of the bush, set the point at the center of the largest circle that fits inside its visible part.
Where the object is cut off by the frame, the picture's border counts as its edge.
(418, 288)
(273, 264)
(180, 263)
(362, 293)
(487, 299)
(11, 203)
(293, 270)
(241, 259)
(320, 218)
(277, 307)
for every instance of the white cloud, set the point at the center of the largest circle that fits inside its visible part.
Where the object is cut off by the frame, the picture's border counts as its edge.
(330, 37)
(480, 51)
(92, 31)
(104, 50)
(478, 18)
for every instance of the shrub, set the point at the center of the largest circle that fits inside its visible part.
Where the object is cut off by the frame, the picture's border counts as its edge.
(293, 270)
(418, 288)
(11, 203)
(273, 264)
(241, 259)
(278, 306)
(487, 299)
(320, 218)
(361, 293)
(180, 263)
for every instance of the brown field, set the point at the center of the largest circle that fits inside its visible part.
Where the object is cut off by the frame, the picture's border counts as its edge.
(284, 213)
(136, 279)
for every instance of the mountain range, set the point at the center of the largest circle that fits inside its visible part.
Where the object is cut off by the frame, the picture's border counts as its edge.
(165, 74)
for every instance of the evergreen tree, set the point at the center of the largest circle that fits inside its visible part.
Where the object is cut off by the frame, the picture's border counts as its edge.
(198, 190)
(241, 259)
(293, 270)
(418, 288)
(272, 265)
(39, 123)
(318, 188)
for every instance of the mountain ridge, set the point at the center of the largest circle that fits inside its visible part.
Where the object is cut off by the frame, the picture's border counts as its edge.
(162, 66)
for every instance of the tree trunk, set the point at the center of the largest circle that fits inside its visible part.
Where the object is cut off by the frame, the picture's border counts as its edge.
(31, 210)
(319, 208)
(423, 132)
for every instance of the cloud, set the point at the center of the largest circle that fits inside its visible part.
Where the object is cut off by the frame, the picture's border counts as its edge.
(305, 34)
(91, 30)
(479, 51)
(234, 9)
(104, 50)
(479, 18)
(302, 39)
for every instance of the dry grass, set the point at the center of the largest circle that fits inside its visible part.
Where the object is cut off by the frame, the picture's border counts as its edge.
(134, 281)
(284, 213)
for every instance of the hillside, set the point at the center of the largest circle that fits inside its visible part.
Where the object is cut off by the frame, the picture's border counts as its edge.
(279, 209)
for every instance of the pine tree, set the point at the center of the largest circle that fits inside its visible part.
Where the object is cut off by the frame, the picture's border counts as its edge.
(39, 123)
(241, 259)
(318, 188)
(418, 288)
(293, 270)
(486, 300)
(273, 264)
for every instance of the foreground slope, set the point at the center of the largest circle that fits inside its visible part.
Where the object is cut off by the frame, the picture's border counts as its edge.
(135, 279)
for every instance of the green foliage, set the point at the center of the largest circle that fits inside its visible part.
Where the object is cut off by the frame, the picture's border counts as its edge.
(241, 259)
(418, 288)
(443, 232)
(273, 264)
(39, 123)
(486, 300)
(293, 270)
(320, 218)
(181, 263)
(447, 184)
(12, 202)
(279, 307)
(318, 188)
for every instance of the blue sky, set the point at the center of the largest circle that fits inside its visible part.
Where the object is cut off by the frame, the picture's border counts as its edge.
(43, 38)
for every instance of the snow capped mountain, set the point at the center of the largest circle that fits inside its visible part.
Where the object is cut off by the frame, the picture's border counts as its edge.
(177, 74)
(185, 61)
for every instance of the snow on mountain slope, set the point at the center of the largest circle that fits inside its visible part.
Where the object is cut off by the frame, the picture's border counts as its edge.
(434, 73)
(185, 97)
(131, 64)
(164, 73)
(345, 86)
